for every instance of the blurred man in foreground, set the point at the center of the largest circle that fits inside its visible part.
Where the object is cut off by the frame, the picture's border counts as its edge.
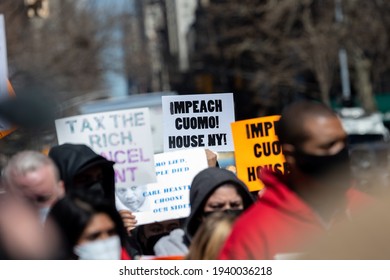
(35, 177)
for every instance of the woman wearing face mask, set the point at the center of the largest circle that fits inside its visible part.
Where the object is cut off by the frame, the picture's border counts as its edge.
(92, 229)
(213, 189)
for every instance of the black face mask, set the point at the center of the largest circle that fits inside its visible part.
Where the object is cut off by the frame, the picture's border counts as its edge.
(232, 212)
(152, 240)
(324, 166)
(96, 188)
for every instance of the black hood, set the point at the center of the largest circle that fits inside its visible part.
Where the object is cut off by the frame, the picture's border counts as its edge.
(72, 159)
(203, 185)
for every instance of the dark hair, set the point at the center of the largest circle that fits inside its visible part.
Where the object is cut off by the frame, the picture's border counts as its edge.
(73, 213)
(290, 128)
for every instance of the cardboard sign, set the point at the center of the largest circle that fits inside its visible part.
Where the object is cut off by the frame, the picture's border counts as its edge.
(121, 136)
(201, 120)
(169, 197)
(3, 60)
(257, 147)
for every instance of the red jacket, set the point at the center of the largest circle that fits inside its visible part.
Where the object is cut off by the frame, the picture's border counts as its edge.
(279, 223)
(125, 255)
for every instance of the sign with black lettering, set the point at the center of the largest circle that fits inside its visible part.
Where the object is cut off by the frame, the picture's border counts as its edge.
(257, 148)
(200, 120)
(124, 137)
(169, 197)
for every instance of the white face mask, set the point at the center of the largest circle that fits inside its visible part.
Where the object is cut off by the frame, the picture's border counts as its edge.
(106, 249)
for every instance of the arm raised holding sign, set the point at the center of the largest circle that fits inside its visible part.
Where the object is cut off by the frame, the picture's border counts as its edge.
(129, 220)
(211, 158)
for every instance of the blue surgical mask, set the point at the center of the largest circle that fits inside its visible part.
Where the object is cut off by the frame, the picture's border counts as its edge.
(104, 249)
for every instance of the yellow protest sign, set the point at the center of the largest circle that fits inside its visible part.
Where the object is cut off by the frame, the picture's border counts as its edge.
(257, 147)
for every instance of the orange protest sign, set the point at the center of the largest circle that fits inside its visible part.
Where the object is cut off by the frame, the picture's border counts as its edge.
(256, 147)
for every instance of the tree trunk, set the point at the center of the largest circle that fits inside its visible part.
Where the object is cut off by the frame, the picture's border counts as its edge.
(363, 82)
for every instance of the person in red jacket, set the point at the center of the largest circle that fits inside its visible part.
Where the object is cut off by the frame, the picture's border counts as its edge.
(309, 199)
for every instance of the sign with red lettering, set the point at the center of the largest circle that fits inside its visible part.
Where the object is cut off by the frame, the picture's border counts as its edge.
(257, 148)
(199, 120)
(124, 137)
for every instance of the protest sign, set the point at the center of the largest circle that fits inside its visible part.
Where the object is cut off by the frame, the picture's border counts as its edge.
(201, 120)
(169, 197)
(121, 136)
(5, 87)
(3, 60)
(257, 148)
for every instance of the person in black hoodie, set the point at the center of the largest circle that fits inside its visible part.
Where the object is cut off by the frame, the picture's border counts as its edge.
(212, 189)
(81, 168)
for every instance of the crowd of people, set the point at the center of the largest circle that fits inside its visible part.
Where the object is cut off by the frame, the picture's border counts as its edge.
(63, 206)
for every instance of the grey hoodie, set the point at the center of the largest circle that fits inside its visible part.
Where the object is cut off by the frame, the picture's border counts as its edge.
(203, 185)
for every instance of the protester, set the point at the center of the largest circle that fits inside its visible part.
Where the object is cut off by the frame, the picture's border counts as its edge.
(306, 202)
(34, 176)
(213, 189)
(81, 168)
(147, 235)
(22, 236)
(91, 227)
(210, 236)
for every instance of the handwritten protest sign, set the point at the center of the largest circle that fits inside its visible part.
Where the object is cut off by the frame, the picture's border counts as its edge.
(121, 136)
(256, 148)
(201, 120)
(169, 197)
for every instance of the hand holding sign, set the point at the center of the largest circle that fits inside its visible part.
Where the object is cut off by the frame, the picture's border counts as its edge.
(129, 220)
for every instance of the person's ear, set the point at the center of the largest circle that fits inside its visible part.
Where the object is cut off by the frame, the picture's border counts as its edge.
(61, 189)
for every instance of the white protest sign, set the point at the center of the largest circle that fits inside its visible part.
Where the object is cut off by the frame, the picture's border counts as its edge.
(5, 127)
(200, 120)
(3, 60)
(121, 136)
(169, 197)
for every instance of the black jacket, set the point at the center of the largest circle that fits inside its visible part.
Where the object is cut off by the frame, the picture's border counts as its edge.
(72, 159)
(203, 185)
